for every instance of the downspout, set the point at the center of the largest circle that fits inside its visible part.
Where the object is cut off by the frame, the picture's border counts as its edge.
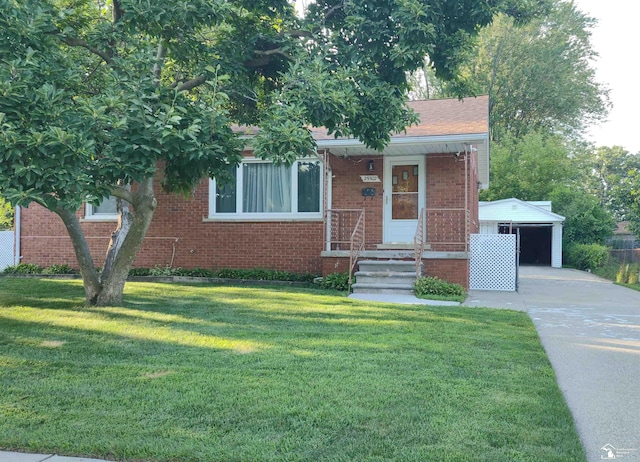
(325, 200)
(16, 240)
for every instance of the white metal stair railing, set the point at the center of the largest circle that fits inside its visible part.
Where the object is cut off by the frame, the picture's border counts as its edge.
(418, 242)
(356, 246)
(346, 229)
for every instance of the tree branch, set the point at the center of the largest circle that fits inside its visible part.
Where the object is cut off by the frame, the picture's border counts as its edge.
(122, 193)
(265, 57)
(298, 33)
(334, 9)
(74, 42)
(117, 11)
(157, 67)
(191, 84)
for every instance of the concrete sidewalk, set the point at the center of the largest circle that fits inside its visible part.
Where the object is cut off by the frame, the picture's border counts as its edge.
(6, 456)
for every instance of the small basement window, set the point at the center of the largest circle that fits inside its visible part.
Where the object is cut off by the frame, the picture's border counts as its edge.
(105, 211)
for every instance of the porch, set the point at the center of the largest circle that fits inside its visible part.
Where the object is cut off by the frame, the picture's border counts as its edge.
(440, 247)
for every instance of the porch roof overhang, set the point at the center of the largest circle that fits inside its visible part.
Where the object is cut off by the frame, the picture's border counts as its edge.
(417, 145)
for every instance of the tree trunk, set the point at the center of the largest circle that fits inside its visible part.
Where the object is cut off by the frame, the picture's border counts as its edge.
(125, 243)
(92, 286)
(125, 219)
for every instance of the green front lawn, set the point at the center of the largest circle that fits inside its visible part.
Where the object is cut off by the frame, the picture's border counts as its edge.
(211, 373)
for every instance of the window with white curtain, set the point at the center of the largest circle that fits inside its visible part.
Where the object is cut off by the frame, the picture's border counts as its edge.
(263, 190)
(106, 210)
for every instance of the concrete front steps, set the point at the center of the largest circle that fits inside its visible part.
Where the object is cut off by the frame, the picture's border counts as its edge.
(385, 277)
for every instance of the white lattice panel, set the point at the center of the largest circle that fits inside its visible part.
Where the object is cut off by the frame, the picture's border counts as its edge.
(6, 249)
(493, 262)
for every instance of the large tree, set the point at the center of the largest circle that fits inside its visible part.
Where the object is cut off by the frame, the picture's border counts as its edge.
(539, 74)
(545, 167)
(96, 96)
(608, 175)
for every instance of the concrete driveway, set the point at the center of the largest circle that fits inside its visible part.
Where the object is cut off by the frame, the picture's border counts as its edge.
(590, 329)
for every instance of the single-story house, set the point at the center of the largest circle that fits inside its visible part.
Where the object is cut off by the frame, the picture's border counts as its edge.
(320, 214)
(539, 228)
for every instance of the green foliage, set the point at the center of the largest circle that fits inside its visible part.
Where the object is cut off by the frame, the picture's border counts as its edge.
(335, 281)
(539, 75)
(427, 285)
(23, 268)
(159, 270)
(539, 167)
(194, 273)
(32, 268)
(628, 193)
(254, 274)
(92, 95)
(95, 96)
(529, 168)
(623, 274)
(587, 256)
(260, 274)
(6, 215)
(586, 220)
(59, 269)
(607, 172)
(139, 272)
(628, 273)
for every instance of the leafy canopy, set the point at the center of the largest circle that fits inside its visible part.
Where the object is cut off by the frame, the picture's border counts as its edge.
(538, 74)
(97, 94)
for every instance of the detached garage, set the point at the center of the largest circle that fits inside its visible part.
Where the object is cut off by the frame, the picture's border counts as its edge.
(539, 228)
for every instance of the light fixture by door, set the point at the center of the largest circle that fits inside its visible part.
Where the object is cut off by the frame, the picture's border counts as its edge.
(371, 166)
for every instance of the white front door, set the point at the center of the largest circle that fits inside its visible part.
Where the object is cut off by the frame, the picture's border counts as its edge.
(404, 197)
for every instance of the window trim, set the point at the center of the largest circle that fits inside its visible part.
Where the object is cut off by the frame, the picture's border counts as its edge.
(239, 215)
(91, 215)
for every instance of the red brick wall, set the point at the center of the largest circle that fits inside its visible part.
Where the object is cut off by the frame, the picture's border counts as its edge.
(178, 232)
(446, 190)
(455, 271)
(347, 192)
(179, 235)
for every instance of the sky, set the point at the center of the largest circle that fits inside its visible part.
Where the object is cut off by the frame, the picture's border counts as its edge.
(615, 39)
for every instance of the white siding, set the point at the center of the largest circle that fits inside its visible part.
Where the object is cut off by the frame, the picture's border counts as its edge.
(488, 227)
(517, 211)
(546, 205)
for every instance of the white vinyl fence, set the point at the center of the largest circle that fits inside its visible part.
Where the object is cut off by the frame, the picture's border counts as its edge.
(494, 262)
(7, 249)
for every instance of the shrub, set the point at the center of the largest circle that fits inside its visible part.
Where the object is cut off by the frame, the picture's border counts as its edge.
(623, 274)
(162, 271)
(260, 274)
(335, 281)
(435, 286)
(59, 269)
(257, 274)
(633, 276)
(194, 273)
(24, 268)
(588, 256)
(139, 272)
